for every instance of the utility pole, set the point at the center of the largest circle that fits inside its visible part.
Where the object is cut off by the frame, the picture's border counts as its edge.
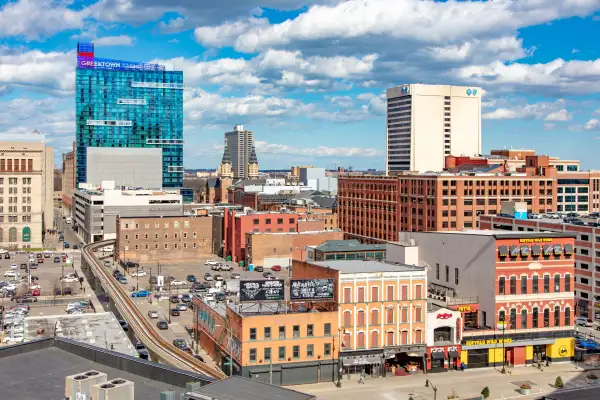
(137, 277)
(62, 279)
(271, 369)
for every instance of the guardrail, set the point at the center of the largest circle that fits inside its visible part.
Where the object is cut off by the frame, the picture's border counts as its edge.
(138, 322)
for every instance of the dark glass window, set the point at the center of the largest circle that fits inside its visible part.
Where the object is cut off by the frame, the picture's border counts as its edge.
(534, 319)
(546, 283)
(556, 283)
(567, 316)
(546, 317)
(513, 318)
(567, 283)
(513, 285)
(524, 285)
(557, 316)
(524, 318)
(501, 283)
(534, 284)
(252, 333)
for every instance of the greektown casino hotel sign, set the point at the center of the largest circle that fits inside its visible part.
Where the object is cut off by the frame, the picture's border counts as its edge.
(85, 62)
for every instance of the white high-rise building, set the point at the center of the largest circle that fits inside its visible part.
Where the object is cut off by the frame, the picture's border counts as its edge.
(425, 123)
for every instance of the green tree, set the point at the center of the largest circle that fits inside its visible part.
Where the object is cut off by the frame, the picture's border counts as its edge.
(559, 382)
(485, 392)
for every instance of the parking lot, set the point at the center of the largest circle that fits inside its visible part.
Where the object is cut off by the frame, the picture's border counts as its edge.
(45, 276)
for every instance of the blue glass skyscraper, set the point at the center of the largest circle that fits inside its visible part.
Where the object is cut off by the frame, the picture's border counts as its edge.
(122, 104)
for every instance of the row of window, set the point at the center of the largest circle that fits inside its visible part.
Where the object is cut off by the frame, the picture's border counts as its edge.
(165, 246)
(535, 250)
(374, 339)
(15, 190)
(282, 354)
(389, 317)
(375, 294)
(166, 236)
(437, 273)
(176, 225)
(16, 165)
(535, 318)
(278, 230)
(534, 284)
(256, 221)
(282, 334)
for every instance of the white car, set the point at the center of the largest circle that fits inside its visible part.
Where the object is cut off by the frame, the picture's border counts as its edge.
(13, 266)
(582, 321)
(211, 262)
(178, 283)
(32, 287)
(139, 273)
(69, 279)
(153, 314)
(12, 274)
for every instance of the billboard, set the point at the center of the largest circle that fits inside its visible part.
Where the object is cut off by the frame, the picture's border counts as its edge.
(87, 62)
(262, 290)
(311, 289)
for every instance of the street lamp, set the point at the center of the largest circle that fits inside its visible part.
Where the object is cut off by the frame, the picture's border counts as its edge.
(428, 383)
(339, 382)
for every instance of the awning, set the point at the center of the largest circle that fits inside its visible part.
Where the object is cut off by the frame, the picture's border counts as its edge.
(438, 355)
(453, 354)
(361, 360)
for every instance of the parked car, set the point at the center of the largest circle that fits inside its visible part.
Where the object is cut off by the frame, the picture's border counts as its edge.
(69, 279)
(175, 312)
(152, 314)
(124, 324)
(219, 296)
(34, 266)
(65, 291)
(276, 268)
(235, 275)
(179, 343)
(139, 273)
(218, 277)
(259, 268)
(208, 277)
(162, 325)
(191, 278)
(12, 274)
(174, 299)
(210, 262)
(267, 274)
(39, 255)
(23, 266)
(7, 256)
(141, 293)
(116, 272)
(66, 245)
(122, 279)
(186, 298)
(221, 267)
(153, 280)
(25, 298)
(198, 357)
(178, 283)
(56, 259)
(13, 266)
(181, 307)
(582, 321)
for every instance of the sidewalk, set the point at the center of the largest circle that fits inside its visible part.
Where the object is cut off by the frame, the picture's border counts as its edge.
(465, 384)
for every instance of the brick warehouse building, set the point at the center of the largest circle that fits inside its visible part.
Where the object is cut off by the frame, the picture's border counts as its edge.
(380, 208)
(520, 281)
(587, 256)
(166, 239)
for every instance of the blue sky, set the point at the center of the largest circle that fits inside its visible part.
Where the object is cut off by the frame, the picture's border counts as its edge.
(308, 76)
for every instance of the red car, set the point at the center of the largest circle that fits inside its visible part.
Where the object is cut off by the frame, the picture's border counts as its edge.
(40, 260)
(35, 292)
(276, 268)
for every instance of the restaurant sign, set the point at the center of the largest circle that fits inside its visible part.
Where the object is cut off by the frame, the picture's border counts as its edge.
(488, 341)
(536, 240)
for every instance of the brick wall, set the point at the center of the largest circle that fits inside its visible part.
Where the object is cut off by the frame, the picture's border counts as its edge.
(164, 239)
(312, 225)
(284, 245)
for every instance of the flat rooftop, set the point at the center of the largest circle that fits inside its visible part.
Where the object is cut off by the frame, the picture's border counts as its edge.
(238, 388)
(502, 234)
(38, 370)
(96, 329)
(358, 266)
(331, 246)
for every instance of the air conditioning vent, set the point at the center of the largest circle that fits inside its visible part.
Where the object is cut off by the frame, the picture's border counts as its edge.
(81, 383)
(107, 386)
(117, 389)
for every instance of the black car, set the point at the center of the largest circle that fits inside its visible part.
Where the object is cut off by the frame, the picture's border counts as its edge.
(162, 325)
(220, 297)
(124, 325)
(197, 357)
(65, 291)
(75, 247)
(23, 266)
(56, 259)
(174, 299)
(191, 278)
(175, 312)
(267, 274)
(259, 269)
(34, 278)
(179, 343)
(116, 272)
(7, 256)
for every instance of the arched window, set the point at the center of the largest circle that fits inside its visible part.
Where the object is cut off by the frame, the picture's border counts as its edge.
(390, 339)
(557, 316)
(557, 283)
(360, 340)
(501, 285)
(12, 235)
(347, 319)
(524, 318)
(404, 337)
(568, 316)
(374, 317)
(360, 320)
(418, 336)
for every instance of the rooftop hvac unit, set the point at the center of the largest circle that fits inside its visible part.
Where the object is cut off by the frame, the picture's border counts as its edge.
(82, 383)
(117, 389)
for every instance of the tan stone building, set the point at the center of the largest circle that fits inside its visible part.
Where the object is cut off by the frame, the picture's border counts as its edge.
(268, 249)
(26, 191)
(165, 239)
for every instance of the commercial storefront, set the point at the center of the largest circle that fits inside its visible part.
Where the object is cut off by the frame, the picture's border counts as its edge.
(444, 333)
(518, 351)
(384, 362)
(443, 358)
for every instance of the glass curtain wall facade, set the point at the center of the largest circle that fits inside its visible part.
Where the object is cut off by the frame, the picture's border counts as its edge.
(134, 109)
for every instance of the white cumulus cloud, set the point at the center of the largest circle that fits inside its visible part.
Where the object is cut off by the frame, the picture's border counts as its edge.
(121, 40)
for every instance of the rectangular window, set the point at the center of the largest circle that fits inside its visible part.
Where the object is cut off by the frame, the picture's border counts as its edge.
(281, 352)
(557, 316)
(327, 349)
(447, 273)
(267, 354)
(456, 276)
(310, 330)
(389, 319)
(348, 295)
(418, 294)
(252, 333)
(534, 319)
(282, 332)
(404, 314)
(374, 293)
(255, 221)
(556, 283)
(296, 352)
(390, 293)
(252, 355)
(310, 350)
(546, 283)
(567, 283)
(404, 292)
(267, 332)
(501, 284)
(534, 284)
(513, 285)
(523, 285)
(296, 331)
(437, 271)
(546, 318)
(567, 316)
(327, 329)
(268, 221)
(418, 314)
(279, 221)
(361, 294)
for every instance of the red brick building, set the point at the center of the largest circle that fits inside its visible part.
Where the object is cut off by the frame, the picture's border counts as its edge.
(236, 225)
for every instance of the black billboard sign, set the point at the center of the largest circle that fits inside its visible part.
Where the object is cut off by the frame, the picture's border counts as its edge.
(311, 289)
(262, 290)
